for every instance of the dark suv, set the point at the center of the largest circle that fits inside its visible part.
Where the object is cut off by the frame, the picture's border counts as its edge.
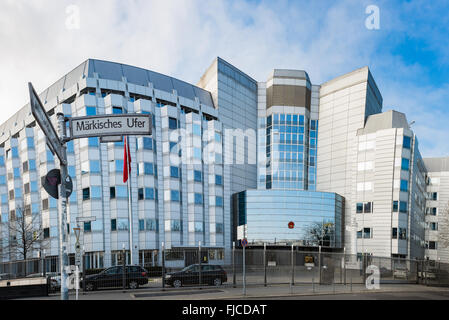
(113, 278)
(210, 274)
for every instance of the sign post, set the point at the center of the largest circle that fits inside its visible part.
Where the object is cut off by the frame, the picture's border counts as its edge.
(81, 220)
(63, 210)
(57, 145)
(244, 244)
(107, 127)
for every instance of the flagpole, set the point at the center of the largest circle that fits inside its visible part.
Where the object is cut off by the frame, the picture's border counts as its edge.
(130, 216)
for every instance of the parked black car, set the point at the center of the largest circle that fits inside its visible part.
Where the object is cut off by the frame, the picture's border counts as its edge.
(210, 274)
(113, 278)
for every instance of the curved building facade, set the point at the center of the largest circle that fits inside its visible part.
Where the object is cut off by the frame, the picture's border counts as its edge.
(177, 185)
(268, 215)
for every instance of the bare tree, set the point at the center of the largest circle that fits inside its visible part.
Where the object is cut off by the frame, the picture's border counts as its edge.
(25, 233)
(320, 233)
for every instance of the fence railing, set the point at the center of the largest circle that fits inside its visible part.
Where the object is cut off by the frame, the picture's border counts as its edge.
(226, 267)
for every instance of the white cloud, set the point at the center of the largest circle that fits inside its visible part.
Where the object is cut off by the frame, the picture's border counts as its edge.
(181, 39)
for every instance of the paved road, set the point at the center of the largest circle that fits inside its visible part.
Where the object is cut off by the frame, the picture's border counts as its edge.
(423, 295)
(275, 292)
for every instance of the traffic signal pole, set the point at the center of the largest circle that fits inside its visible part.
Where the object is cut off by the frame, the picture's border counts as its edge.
(62, 212)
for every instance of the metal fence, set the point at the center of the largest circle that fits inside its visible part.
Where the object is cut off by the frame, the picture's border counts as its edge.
(240, 268)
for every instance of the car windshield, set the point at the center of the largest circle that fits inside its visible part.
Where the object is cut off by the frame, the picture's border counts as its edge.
(188, 268)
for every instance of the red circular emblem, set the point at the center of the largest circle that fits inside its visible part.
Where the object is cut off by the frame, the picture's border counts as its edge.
(291, 225)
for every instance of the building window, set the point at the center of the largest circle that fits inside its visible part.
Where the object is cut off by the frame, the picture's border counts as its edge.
(141, 225)
(431, 245)
(364, 207)
(113, 224)
(402, 234)
(196, 129)
(218, 180)
(45, 204)
(174, 172)
(70, 147)
(117, 110)
(91, 111)
(368, 207)
(433, 226)
(87, 226)
(175, 195)
(146, 193)
(172, 123)
(25, 166)
(395, 206)
(152, 225)
(149, 194)
(365, 233)
(92, 142)
(95, 192)
(404, 185)
(198, 227)
(394, 233)
(122, 224)
(219, 201)
(434, 196)
(407, 142)
(198, 198)
(26, 188)
(86, 194)
(147, 143)
(112, 192)
(405, 164)
(219, 228)
(148, 168)
(175, 225)
(15, 152)
(173, 147)
(94, 166)
(46, 233)
(403, 207)
(198, 176)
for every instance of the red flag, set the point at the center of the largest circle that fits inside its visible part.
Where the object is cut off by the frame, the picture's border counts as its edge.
(126, 162)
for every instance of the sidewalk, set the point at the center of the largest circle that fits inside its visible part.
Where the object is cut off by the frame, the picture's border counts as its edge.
(252, 292)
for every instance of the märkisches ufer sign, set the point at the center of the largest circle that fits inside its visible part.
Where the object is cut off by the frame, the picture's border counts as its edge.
(110, 125)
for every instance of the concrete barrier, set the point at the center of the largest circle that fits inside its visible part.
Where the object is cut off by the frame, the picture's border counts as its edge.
(24, 288)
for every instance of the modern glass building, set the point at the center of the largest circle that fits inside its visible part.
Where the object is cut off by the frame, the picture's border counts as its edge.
(228, 152)
(177, 176)
(317, 217)
(289, 116)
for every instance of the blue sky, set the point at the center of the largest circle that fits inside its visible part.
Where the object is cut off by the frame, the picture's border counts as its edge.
(408, 55)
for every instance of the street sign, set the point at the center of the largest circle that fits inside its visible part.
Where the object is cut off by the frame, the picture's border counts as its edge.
(291, 225)
(241, 231)
(85, 219)
(111, 139)
(53, 180)
(244, 243)
(110, 125)
(41, 116)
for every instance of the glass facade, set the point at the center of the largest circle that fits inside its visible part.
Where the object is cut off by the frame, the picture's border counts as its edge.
(286, 152)
(291, 152)
(317, 217)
